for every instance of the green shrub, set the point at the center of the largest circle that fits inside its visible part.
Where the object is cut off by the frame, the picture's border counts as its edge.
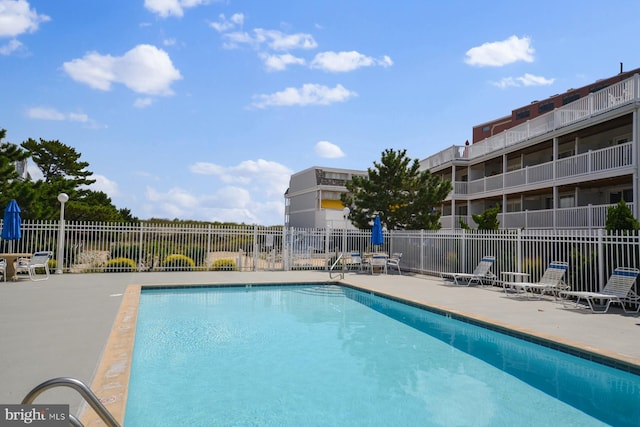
(121, 264)
(223, 264)
(178, 262)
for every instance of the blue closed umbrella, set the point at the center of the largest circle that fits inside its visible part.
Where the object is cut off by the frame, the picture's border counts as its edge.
(12, 223)
(376, 232)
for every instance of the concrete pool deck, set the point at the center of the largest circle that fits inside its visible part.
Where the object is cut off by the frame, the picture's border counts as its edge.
(60, 327)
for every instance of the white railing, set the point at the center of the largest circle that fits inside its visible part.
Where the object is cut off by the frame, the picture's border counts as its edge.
(100, 247)
(581, 217)
(605, 159)
(607, 99)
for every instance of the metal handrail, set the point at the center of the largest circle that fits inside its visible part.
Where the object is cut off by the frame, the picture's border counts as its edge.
(81, 388)
(334, 264)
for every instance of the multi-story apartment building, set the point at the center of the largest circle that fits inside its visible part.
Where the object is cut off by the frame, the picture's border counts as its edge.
(313, 198)
(557, 163)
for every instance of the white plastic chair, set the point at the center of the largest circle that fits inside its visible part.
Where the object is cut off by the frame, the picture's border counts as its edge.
(479, 275)
(380, 261)
(616, 291)
(551, 281)
(394, 262)
(3, 268)
(37, 260)
(355, 261)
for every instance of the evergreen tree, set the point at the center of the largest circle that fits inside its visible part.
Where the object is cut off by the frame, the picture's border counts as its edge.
(404, 197)
(620, 217)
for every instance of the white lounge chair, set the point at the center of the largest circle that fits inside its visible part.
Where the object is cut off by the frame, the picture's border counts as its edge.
(481, 274)
(616, 291)
(3, 268)
(394, 262)
(551, 281)
(39, 260)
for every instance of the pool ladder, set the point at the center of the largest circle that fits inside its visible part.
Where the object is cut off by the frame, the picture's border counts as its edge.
(84, 391)
(334, 265)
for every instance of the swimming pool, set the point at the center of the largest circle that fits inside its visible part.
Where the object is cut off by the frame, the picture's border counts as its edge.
(331, 355)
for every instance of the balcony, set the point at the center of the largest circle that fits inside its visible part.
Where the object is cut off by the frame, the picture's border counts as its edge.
(612, 97)
(611, 161)
(583, 217)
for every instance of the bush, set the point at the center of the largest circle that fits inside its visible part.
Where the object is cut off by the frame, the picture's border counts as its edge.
(121, 264)
(178, 262)
(223, 264)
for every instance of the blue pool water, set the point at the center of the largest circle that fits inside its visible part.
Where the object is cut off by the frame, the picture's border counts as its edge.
(333, 356)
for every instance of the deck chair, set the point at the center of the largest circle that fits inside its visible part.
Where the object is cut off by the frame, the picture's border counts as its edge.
(38, 261)
(479, 275)
(3, 268)
(551, 281)
(394, 262)
(379, 261)
(616, 291)
(355, 262)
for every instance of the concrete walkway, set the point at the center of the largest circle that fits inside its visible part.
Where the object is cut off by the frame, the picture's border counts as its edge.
(60, 327)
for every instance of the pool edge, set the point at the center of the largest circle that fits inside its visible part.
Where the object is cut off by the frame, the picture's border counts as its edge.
(111, 382)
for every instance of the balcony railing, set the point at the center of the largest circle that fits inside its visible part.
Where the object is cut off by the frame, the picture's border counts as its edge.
(594, 161)
(583, 217)
(609, 98)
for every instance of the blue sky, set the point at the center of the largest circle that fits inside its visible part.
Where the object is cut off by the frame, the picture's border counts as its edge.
(202, 109)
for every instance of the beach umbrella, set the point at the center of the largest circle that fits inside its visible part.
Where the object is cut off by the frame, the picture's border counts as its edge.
(376, 232)
(12, 223)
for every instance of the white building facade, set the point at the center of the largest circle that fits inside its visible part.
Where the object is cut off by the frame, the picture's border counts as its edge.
(561, 169)
(313, 198)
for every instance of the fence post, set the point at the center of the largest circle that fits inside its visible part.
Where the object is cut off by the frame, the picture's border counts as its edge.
(285, 249)
(421, 251)
(256, 247)
(519, 249)
(600, 259)
(140, 247)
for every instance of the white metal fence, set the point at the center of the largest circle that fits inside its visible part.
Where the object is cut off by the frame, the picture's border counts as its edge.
(113, 247)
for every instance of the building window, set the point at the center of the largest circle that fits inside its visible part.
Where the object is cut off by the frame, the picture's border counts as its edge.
(336, 175)
(567, 202)
(547, 106)
(486, 128)
(570, 98)
(523, 114)
(626, 195)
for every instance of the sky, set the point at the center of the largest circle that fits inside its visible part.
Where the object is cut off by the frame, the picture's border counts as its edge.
(203, 109)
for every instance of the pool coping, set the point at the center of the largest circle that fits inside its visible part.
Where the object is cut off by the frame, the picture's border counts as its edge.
(111, 381)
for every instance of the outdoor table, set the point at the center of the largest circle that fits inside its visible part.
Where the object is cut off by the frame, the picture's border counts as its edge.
(515, 276)
(10, 259)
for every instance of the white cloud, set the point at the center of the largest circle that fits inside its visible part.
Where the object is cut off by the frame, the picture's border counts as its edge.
(308, 94)
(267, 177)
(17, 17)
(347, 61)
(328, 150)
(526, 80)
(104, 184)
(224, 24)
(143, 102)
(166, 8)
(47, 113)
(273, 39)
(10, 47)
(280, 62)
(144, 69)
(497, 54)
(229, 203)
